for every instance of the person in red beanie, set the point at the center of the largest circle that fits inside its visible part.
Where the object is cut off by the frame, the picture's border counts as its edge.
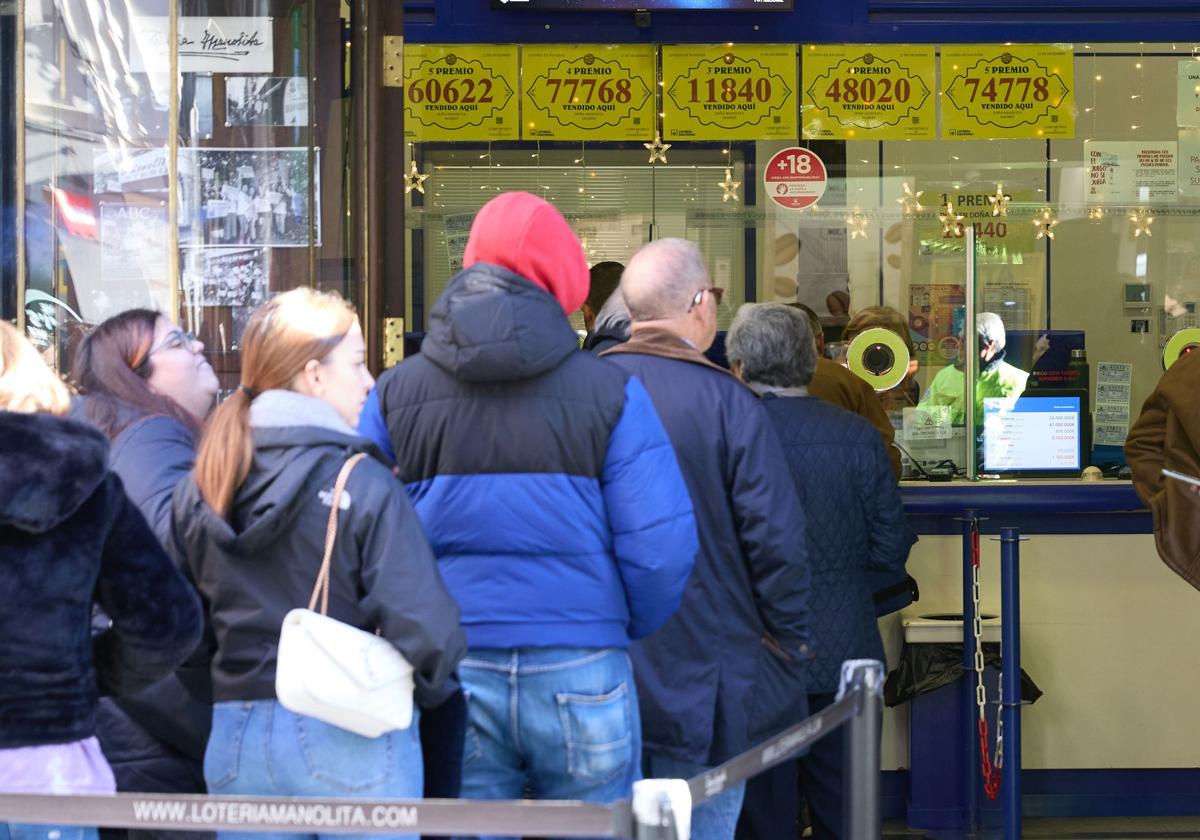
(553, 500)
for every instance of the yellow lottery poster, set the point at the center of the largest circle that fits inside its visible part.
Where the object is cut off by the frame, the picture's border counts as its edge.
(724, 92)
(1008, 91)
(588, 92)
(862, 91)
(460, 92)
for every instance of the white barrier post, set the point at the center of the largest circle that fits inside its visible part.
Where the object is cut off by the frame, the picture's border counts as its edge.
(662, 809)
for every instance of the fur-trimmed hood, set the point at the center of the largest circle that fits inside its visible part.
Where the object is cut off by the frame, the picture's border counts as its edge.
(49, 466)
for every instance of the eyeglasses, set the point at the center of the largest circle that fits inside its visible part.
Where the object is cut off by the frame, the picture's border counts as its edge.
(716, 291)
(176, 339)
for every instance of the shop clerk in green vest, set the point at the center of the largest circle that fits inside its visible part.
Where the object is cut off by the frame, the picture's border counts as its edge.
(997, 378)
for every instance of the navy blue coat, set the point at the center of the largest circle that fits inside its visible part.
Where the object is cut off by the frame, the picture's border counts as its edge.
(728, 669)
(152, 455)
(155, 739)
(855, 525)
(542, 476)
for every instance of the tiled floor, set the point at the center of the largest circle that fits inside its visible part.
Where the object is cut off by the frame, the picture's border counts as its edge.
(1113, 828)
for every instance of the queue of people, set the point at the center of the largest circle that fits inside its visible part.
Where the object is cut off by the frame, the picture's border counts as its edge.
(601, 566)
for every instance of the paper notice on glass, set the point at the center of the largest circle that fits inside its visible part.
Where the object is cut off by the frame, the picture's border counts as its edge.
(1187, 100)
(1189, 162)
(1131, 171)
(1112, 402)
(929, 423)
(458, 230)
(133, 262)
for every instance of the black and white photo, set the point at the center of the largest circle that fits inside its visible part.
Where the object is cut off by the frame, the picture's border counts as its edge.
(266, 100)
(235, 277)
(254, 197)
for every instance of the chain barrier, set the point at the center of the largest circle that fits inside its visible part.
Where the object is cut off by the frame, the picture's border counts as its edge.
(990, 769)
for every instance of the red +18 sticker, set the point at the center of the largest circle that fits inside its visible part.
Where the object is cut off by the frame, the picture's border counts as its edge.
(795, 178)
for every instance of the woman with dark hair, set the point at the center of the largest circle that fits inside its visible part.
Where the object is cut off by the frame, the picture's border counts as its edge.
(147, 386)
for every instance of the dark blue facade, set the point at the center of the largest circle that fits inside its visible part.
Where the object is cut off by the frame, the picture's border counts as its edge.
(852, 21)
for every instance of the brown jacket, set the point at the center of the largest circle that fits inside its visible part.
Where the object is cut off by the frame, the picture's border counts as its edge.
(1167, 434)
(834, 383)
(655, 341)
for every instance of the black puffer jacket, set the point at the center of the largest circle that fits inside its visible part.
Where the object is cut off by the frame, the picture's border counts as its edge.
(69, 537)
(611, 327)
(262, 563)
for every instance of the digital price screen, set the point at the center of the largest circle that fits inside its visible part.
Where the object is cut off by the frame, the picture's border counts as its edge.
(645, 5)
(1034, 433)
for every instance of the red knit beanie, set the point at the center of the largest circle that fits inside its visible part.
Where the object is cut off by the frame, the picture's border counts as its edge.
(529, 237)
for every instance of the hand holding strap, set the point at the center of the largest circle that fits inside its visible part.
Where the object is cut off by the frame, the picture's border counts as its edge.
(322, 586)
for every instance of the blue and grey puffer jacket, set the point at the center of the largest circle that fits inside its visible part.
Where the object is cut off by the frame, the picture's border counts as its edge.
(542, 475)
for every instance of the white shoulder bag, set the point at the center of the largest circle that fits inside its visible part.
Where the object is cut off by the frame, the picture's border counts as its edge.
(336, 673)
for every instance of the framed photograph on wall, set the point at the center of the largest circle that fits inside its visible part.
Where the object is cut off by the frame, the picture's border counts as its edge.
(236, 277)
(254, 197)
(266, 100)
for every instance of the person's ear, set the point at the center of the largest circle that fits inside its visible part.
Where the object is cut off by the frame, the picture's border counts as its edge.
(913, 364)
(736, 369)
(309, 380)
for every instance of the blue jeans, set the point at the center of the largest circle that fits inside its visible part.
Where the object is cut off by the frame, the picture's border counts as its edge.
(717, 818)
(259, 748)
(29, 831)
(550, 723)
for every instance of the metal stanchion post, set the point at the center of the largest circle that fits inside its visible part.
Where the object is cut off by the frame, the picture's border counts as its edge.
(862, 807)
(1010, 688)
(969, 722)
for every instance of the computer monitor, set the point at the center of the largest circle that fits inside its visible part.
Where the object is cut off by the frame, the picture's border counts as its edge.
(1040, 434)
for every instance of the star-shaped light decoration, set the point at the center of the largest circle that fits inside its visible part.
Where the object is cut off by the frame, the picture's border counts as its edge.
(999, 201)
(730, 186)
(414, 180)
(657, 149)
(909, 202)
(1044, 220)
(950, 220)
(856, 223)
(1142, 219)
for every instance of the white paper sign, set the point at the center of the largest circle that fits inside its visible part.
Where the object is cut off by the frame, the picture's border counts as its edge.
(1131, 171)
(1189, 162)
(927, 423)
(206, 45)
(1188, 96)
(133, 261)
